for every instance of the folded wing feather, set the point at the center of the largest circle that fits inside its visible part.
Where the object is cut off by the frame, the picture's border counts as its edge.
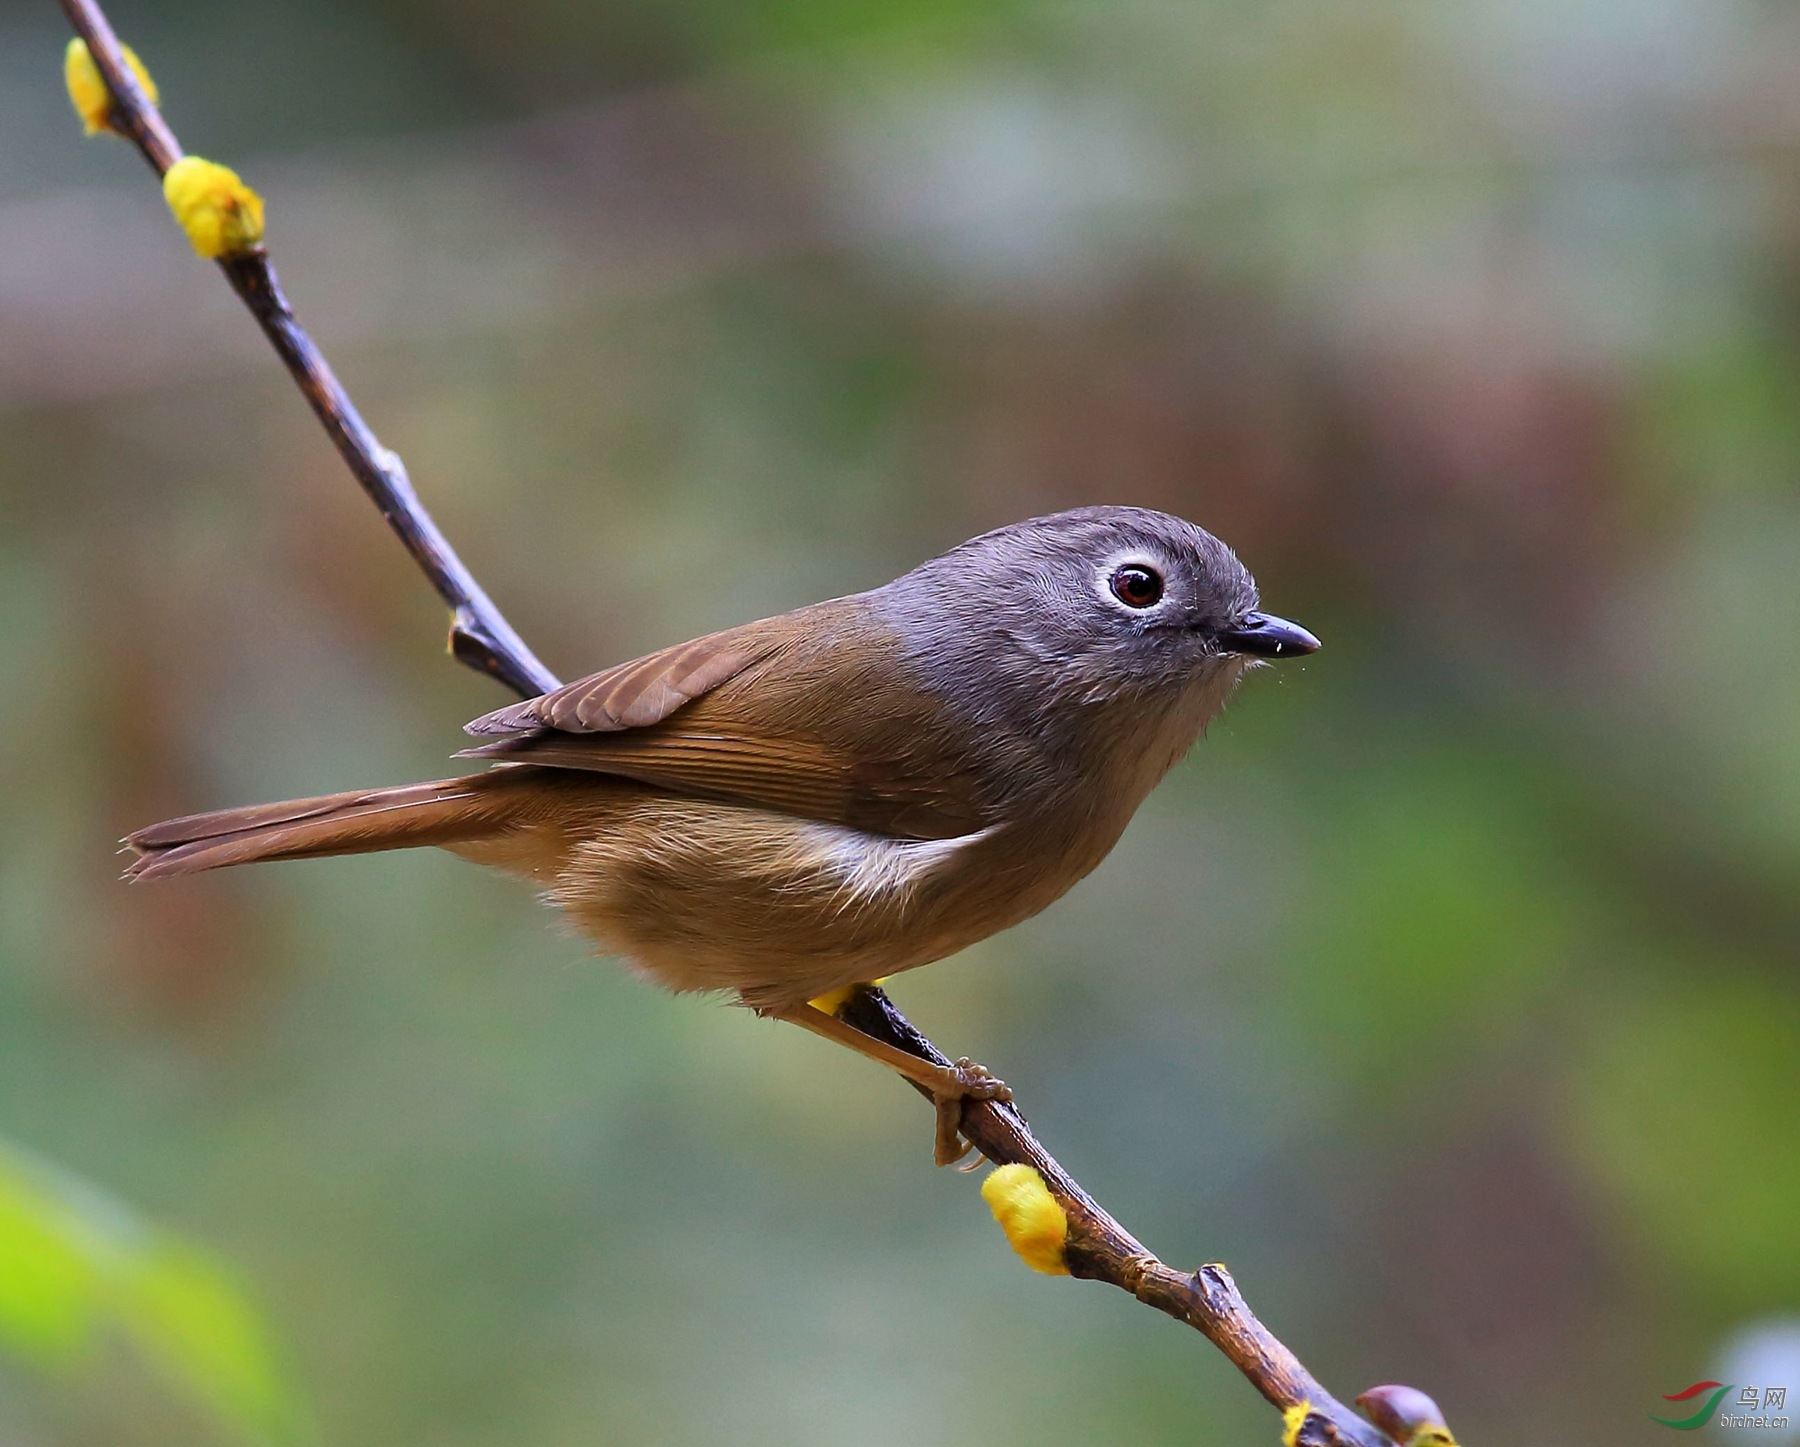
(758, 715)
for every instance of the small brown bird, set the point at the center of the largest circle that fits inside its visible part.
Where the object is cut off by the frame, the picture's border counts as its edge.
(842, 792)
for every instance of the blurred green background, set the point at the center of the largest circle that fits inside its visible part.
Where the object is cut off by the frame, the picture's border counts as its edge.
(1448, 992)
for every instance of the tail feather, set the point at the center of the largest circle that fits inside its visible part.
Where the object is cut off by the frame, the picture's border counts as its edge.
(353, 823)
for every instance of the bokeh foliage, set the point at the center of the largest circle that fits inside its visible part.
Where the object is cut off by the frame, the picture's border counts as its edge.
(77, 1267)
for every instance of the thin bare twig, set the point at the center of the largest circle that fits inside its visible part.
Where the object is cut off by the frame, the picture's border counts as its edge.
(1098, 1248)
(480, 636)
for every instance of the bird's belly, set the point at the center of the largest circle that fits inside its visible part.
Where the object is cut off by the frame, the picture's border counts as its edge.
(779, 910)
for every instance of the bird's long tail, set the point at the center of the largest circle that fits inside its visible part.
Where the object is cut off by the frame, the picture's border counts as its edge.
(446, 812)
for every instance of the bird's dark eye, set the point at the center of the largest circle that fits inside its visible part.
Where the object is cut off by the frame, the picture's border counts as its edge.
(1136, 586)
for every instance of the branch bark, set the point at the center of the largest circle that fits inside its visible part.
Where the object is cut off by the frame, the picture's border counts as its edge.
(1097, 1248)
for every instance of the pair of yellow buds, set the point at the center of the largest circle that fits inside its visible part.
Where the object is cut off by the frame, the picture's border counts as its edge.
(219, 213)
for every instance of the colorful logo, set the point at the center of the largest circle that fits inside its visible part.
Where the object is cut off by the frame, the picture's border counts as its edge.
(1757, 1408)
(1687, 1394)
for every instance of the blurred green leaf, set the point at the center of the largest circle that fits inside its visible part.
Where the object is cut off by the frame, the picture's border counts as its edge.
(47, 1276)
(74, 1263)
(1440, 917)
(1684, 1111)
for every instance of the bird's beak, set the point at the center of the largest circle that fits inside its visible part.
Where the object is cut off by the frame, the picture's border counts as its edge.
(1266, 636)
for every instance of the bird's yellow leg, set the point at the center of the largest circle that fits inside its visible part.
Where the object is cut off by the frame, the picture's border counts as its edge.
(947, 1085)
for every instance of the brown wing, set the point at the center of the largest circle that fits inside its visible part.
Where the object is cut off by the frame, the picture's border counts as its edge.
(639, 693)
(810, 714)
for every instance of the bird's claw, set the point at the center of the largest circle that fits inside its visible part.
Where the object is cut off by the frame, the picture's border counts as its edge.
(967, 1080)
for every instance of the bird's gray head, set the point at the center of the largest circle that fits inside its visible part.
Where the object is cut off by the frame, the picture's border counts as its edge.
(1087, 608)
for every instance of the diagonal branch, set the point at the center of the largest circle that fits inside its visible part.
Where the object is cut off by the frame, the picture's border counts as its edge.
(1097, 1247)
(480, 636)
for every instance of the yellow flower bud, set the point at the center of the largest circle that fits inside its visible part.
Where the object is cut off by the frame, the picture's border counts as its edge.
(87, 87)
(1035, 1223)
(220, 214)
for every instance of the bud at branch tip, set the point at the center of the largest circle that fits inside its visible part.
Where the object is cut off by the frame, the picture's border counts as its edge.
(1407, 1415)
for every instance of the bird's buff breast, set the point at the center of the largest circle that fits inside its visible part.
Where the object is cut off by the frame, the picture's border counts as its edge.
(778, 910)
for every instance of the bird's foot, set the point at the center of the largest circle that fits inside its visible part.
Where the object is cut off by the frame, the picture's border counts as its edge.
(950, 1087)
(951, 1090)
